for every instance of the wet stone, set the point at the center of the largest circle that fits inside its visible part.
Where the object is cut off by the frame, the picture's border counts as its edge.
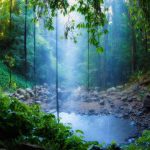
(94, 147)
(124, 98)
(112, 105)
(21, 91)
(38, 102)
(102, 102)
(139, 113)
(91, 111)
(130, 99)
(146, 103)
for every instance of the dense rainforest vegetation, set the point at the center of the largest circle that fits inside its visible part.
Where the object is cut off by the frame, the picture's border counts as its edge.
(26, 44)
(112, 39)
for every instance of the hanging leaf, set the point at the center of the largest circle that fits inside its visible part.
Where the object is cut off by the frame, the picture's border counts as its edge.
(100, 50)
(105, 31)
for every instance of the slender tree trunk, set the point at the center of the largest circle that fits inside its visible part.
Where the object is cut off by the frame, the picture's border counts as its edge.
(105, 59)
(106, 48)
(25, 39)
(10, 26)
(133, 45)
(133, 51)
(34, 61)
(10, 77)
(146, 41)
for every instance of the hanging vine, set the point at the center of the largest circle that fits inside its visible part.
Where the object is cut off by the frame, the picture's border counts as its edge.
(92, 11)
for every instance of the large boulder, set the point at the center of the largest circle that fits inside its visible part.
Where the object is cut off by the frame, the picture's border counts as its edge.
(146, 102)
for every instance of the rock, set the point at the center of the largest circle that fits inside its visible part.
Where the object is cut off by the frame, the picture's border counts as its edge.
(102, 92)
(94, 99)
(21, 91)
(38, 102)
(20, 97)
(126, 115)
(102, 102)
(27, 96)
(105, 111)
(119, 87)
(112, 105)
(113, 89)
(130, 99)
(146, 102)
(135, 87)
(94, 147)
(140, 113)
(124, 98)
(28, 89)
(30, 92)
(91, 111)
(122, 108)
(119, 115)
(16, 95)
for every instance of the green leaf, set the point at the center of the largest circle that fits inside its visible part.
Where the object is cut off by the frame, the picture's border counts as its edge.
(100, 50)
(79, 131)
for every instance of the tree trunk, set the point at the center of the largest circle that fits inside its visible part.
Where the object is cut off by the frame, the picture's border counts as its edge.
(133, 51)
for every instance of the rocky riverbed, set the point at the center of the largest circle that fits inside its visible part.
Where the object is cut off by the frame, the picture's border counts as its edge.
(131, 102)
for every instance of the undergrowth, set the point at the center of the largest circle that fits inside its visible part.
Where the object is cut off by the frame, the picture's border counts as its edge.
(20, 123)
(139, 76)
(17, 81)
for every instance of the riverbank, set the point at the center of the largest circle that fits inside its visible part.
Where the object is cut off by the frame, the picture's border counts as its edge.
(130, 102)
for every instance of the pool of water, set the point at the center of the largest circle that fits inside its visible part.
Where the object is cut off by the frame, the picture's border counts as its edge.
(101, 128)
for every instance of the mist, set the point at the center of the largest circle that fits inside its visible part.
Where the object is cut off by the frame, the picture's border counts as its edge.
(110, 68)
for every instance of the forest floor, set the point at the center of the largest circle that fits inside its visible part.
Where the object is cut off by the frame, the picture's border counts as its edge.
(121, 101)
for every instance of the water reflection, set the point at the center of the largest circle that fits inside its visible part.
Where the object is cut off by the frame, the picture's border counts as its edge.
(101, 128)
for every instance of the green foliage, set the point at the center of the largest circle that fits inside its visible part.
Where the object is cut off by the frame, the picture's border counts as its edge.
(140, 76)
(139, 17)
(12, 44)
(100, 50)
(137, 76)
(20, 123)
(143, 143)
(17, 81)
(90, 10)
(140, 24)
(10, 61)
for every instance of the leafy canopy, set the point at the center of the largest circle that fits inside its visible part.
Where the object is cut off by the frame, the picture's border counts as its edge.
(92, 11)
